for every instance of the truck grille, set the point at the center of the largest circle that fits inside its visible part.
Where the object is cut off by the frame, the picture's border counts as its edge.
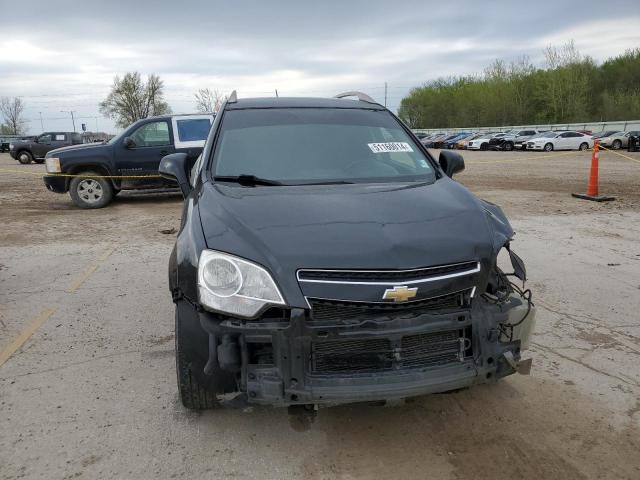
(343, 311)
(388, 276)
(375, 355)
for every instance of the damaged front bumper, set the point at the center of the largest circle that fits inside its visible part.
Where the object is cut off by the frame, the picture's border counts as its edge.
(302, 360)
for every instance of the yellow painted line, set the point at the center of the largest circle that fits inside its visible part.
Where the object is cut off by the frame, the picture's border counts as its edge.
(25, 335)
(87, 273)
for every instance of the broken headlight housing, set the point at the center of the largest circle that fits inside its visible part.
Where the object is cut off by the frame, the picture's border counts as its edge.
(231, 285)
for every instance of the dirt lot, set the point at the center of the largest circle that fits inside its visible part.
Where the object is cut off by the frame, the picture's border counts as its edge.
(92, 393)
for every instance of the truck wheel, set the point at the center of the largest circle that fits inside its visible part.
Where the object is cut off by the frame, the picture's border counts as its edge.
(25, 157)
(89, 192)
(197, 390)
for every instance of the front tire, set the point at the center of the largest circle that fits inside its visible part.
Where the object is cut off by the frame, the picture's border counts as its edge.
(616, 145)
(87, 192)
(197, 390)
(25, 157)
(484, 147)
(583, 147)
(548, 147)
(508, 146)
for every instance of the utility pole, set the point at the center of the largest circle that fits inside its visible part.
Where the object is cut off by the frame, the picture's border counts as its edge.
(72, 119)
(385, 94)
(276, 92)
(41, 122)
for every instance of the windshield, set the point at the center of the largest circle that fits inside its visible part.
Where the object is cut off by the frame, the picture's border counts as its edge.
(117, 137)
(315, 145)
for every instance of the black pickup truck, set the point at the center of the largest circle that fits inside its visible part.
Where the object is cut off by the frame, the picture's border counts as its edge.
(34, 149)
(132, 155)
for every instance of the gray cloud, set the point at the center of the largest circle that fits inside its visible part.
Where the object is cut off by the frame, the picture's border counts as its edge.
(68, 56)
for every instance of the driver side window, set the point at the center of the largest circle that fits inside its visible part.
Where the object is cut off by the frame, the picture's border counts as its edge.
(154, 134)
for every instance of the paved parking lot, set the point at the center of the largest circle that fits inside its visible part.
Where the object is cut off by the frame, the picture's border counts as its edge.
(92, 394)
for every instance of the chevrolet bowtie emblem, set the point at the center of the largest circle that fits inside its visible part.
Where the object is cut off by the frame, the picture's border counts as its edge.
(399, 294)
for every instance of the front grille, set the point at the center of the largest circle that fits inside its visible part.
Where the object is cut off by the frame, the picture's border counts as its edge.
(344, 311)
(376, 355)
(386, 276)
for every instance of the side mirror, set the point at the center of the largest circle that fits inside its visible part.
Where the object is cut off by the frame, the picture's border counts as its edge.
(173, 167)
(451, 162)
(128, 142)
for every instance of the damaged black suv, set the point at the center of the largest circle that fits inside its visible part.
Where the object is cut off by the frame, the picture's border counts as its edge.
(325, 257)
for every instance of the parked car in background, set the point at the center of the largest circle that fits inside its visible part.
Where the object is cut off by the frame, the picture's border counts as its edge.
(430, 140)
(616, 140)
(603, 133)
(440, 141)
(27, 151)
(462, 143)
(560, 140)
(482, 142)
(511, 140)
(135, 153)
(451, 142)
(420, 136)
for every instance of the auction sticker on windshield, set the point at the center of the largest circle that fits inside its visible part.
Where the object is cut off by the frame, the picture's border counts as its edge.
(390, 147)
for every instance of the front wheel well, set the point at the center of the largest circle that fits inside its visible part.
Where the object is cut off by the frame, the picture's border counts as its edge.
(77, 169)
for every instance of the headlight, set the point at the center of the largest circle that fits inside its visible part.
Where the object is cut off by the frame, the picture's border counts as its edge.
(53, 165)
(235, 286)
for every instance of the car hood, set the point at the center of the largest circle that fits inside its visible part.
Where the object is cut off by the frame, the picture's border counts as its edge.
(75, 148)
(361, 226)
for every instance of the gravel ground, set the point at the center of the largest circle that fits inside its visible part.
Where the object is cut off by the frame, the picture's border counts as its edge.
(92, 393)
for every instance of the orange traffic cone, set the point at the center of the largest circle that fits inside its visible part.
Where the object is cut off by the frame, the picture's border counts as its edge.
(592, 186)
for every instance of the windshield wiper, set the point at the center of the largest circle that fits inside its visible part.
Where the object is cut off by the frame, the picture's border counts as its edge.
(248, 180)
(328, 182)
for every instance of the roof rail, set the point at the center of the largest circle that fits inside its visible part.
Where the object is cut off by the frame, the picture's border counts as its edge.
(363, 97)
(233, 98)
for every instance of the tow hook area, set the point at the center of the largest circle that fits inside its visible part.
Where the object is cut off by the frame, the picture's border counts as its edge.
(301, 417)
(523, 367)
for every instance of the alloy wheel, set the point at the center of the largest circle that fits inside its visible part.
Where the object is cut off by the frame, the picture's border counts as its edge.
(90, 190)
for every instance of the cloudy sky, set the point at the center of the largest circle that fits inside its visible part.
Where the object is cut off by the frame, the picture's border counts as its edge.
(63, 55)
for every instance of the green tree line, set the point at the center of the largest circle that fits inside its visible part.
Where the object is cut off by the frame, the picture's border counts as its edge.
(570, 88)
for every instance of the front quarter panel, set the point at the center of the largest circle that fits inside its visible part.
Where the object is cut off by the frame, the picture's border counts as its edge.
(183, 266)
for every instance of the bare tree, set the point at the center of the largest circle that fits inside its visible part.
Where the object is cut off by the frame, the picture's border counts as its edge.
(131, 99)
(209, 101)
(12, 109)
